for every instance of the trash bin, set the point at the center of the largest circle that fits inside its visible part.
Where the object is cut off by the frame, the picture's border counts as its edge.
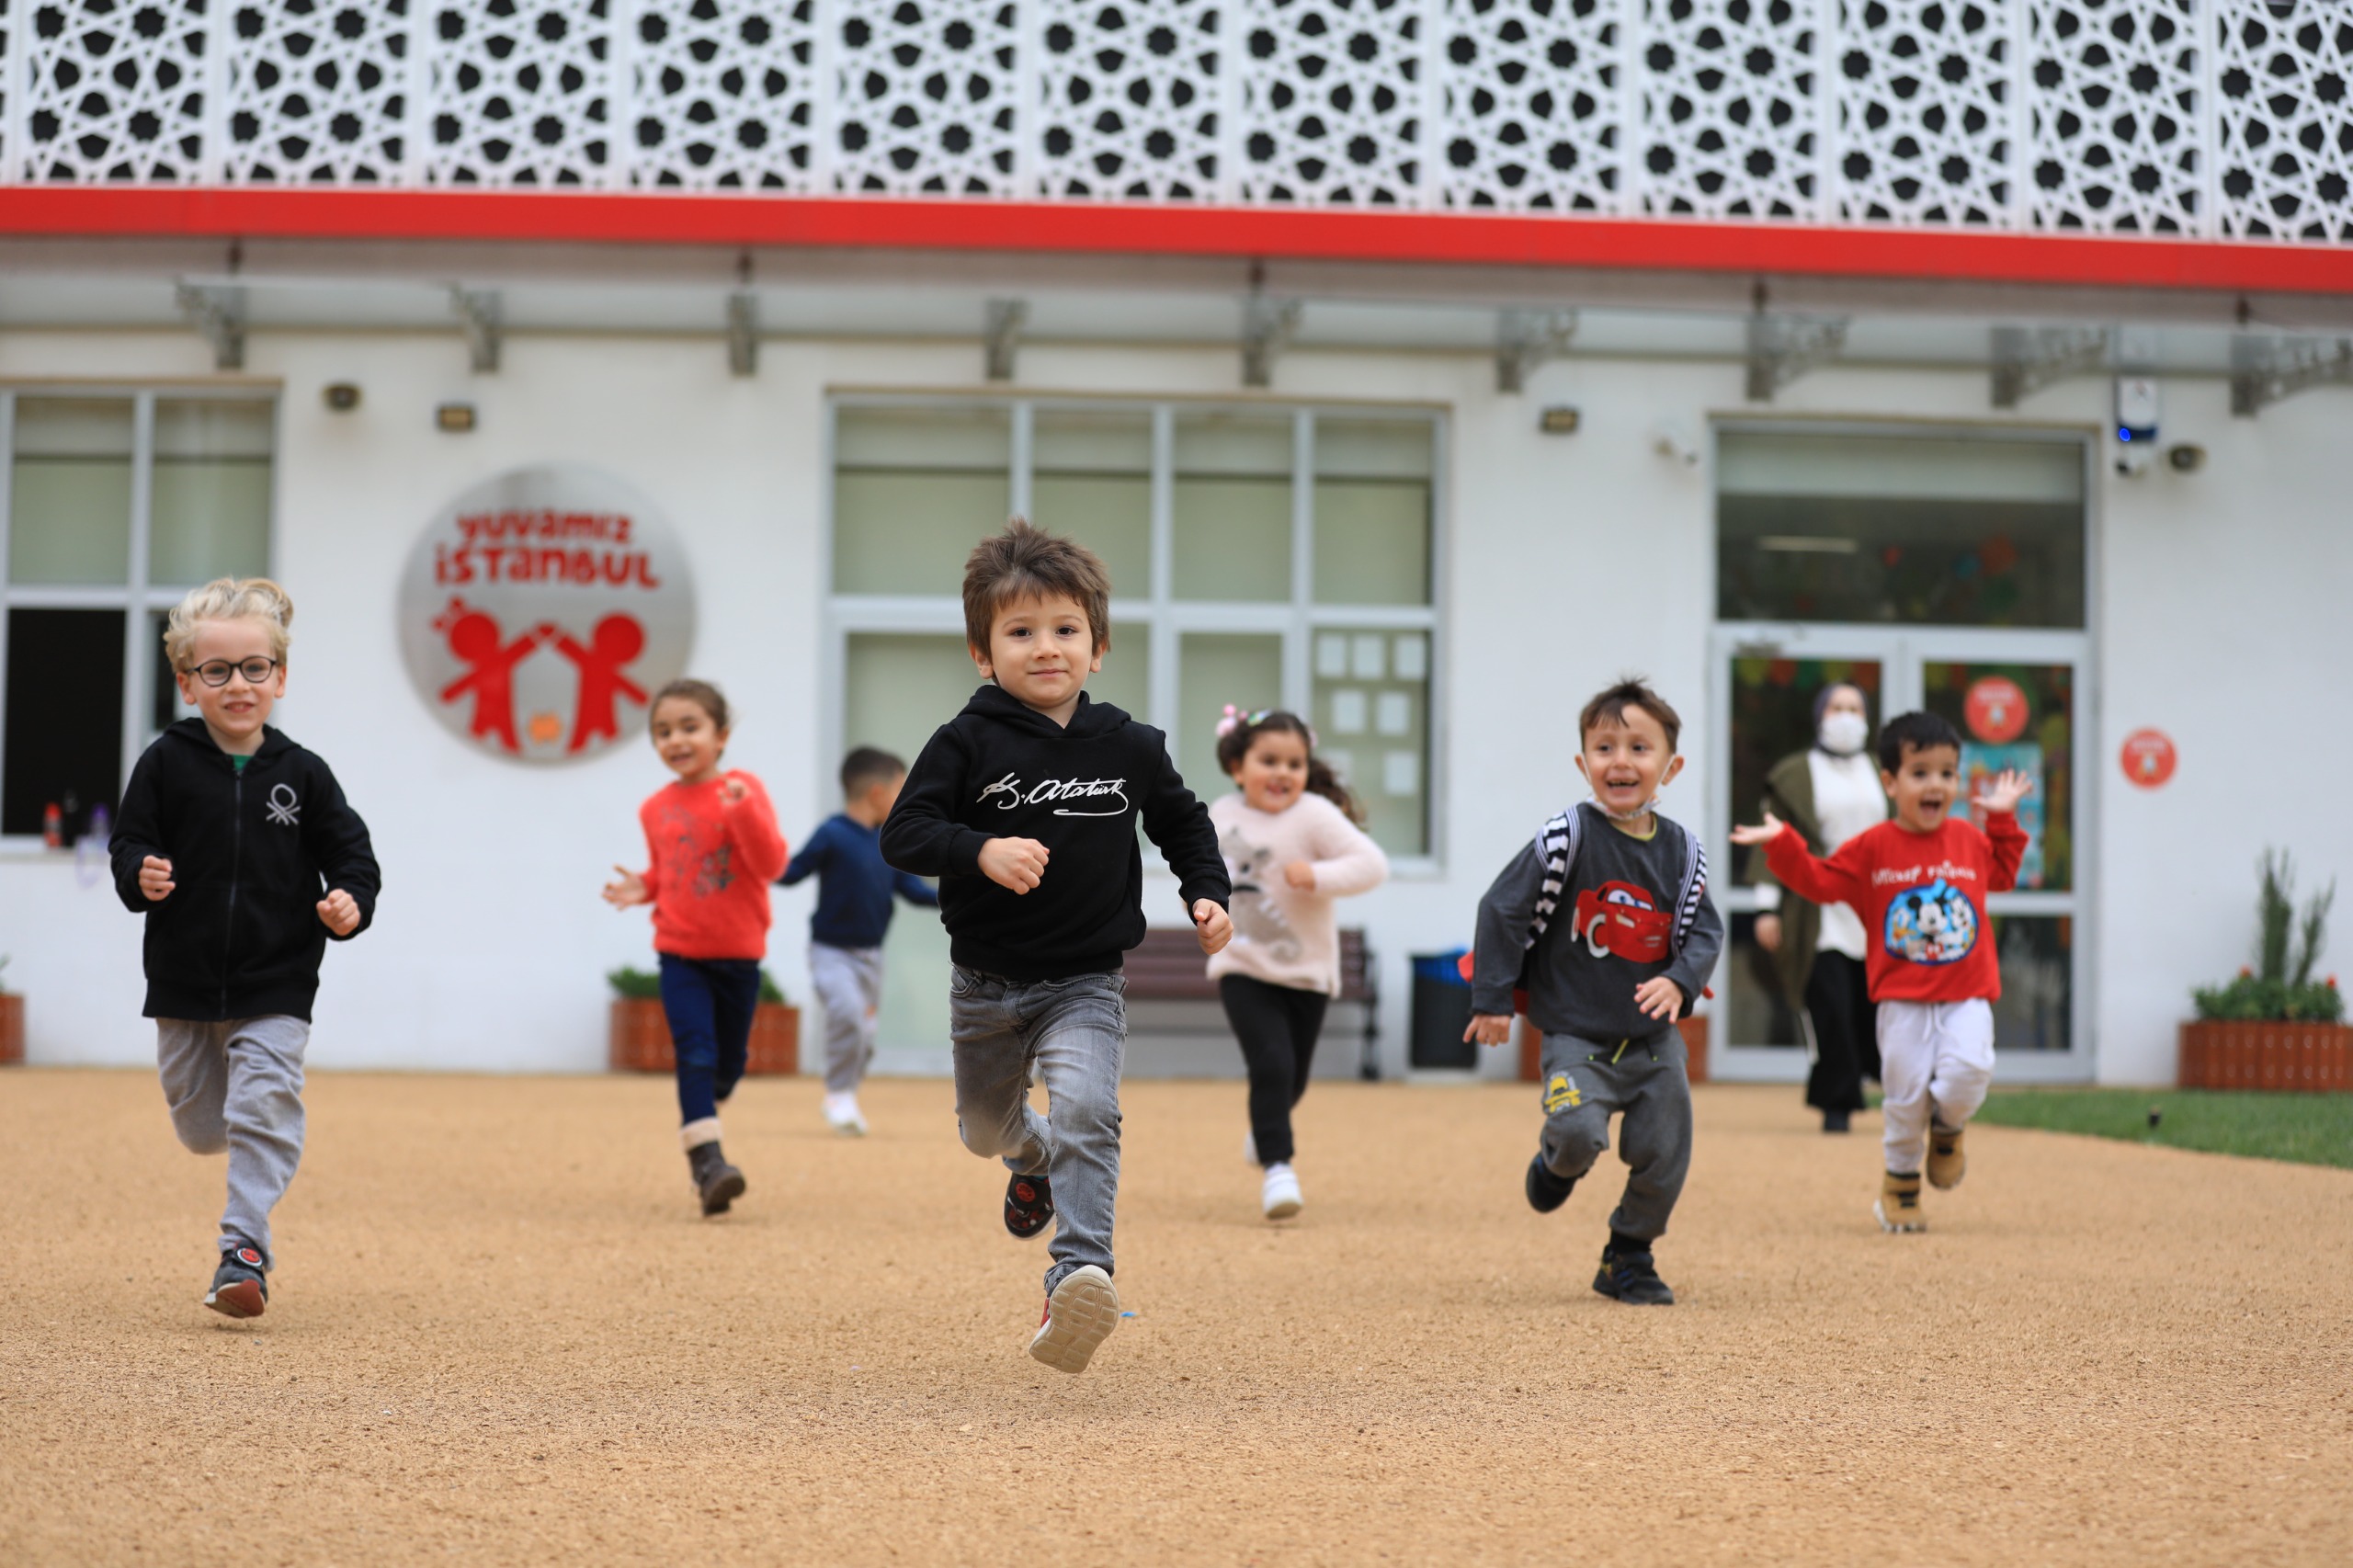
(1441, 1011)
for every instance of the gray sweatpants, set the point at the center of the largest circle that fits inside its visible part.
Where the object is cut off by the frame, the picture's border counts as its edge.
(238, 1086)
(1072, 1034)
(848, 983)
(1646, 1080)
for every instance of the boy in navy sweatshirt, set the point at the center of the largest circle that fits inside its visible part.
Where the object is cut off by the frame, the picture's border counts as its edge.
(1025, 806)
(854, 893)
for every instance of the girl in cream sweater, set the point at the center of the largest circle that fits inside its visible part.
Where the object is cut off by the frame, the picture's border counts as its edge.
(1291, 843)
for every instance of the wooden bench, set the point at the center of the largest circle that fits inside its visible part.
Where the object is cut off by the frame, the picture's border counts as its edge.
(1177, 1026)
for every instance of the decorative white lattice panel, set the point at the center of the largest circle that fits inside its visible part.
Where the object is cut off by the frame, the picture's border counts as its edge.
(724, 97)
(315, 91)
(2112, 105)
(114, 90)
(927, 89)
(1128, 98)
(1330, 101)
(2283, 122)
(1531, 119)
(1728, 111)
(1922, 89)
(521, 93)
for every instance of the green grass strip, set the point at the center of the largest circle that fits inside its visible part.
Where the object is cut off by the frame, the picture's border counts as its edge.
(2314, 1129)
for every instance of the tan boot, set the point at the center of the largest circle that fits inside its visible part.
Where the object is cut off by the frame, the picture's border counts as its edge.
(1947, 1164)
(1899, 1203)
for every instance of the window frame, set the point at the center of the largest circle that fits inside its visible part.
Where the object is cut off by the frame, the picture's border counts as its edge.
(135, 596)
(1161, 618)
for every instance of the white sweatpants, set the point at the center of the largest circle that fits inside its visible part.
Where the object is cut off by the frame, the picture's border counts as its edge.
(1935, 1061)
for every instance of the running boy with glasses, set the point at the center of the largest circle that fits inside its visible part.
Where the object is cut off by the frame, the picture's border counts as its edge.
(239, 850)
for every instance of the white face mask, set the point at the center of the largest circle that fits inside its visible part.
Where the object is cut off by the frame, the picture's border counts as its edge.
(1843, 734)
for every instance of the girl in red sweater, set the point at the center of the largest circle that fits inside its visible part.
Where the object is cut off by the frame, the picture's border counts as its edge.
(714, 848)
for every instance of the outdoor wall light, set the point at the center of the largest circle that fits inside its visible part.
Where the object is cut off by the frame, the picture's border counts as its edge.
(341, 397)
(1559, 421)
(2186, 458)
(456, 418)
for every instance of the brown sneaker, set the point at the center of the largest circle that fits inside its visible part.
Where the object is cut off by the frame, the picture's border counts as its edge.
(1899, 1203)
(1947, 1164)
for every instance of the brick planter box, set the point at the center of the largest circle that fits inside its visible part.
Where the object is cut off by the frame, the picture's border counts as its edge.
(2317, 1058)
(639, 1039)
(12, 1028)
(1695, 1044)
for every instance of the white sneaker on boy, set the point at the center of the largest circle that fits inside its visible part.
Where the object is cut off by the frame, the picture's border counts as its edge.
(1080, 1315)
(844, 1116)
(1280, 1196)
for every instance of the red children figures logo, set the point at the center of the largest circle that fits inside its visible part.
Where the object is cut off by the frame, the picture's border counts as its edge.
(476, 642)
(616, 640)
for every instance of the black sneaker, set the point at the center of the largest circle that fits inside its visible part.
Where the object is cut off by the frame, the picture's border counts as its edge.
(240, 1286)
(1546, 1191)
(1838, 1121)
(1630, 1277)
(717, 1183)
(1028, 1204)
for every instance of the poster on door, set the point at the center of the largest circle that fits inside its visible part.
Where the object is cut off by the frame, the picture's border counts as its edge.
(1980, 766)
(541, 609)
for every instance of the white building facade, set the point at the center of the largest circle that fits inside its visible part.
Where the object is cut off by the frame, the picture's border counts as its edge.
(1422, 366)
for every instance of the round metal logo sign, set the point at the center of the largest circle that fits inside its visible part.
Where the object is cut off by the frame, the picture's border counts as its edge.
(541, 610)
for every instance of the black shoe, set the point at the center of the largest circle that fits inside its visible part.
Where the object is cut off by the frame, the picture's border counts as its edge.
(1028, 1204)
(1546, 1191)
(1630, 1277)
(240, 1286)
(1835, 1121)
(717, 1183)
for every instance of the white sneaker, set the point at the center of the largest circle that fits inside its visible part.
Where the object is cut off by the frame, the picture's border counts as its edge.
(1080, 1315)
(1280, 1196)
(843, 1116)
(1249, 1148)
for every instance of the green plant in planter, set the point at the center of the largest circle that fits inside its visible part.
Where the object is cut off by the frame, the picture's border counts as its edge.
(645, 984)
(2280, 987)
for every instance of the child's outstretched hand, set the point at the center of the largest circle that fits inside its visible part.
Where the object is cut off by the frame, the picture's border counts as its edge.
(1765, 833)
(1301, 875)
(1488, 1028)
(1015, 863)
(732, 789)
(156, 879)
(629, 890)
(1659, 997)
(2010, 788)
(1213, 925)
(339, 912)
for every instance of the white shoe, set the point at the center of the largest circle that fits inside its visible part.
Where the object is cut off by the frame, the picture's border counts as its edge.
(1280, 1196)
(1250, 1148)
(1080, 1315)
(843, 1116)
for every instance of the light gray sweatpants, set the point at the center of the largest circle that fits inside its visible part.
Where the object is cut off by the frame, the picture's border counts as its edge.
(1074, 1034)
(238, 1086)
(1936, 1064)
(848, 983)
(1649, 1082)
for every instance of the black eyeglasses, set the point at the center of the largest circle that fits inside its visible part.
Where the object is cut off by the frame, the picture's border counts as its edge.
(216, 671)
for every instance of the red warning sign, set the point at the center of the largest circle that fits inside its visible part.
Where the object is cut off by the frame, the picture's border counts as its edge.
(2149, 757)
(1995, 710)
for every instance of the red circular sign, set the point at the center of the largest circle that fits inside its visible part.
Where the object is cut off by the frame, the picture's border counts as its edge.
(2149, 757)
(1995, 710)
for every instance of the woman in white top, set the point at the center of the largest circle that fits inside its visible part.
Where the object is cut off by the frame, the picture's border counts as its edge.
(1290, 840)
(1829, 792)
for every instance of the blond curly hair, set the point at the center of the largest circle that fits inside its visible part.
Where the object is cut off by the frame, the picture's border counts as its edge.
(229, 599)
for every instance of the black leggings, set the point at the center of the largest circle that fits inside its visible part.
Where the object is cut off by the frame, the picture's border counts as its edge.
(1277, 1026)
(1846, 1032)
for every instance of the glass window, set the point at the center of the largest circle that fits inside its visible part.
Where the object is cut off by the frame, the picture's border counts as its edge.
(1772, 717)
(1371, 716)
(1214, 668)
(1090, 479)
(1918, 529)
(69, 511)
(211, 490)
(1233, 507)
(913, 490)
(1373, 512)
(2038, 971)
(2021, 717)
(63, 736)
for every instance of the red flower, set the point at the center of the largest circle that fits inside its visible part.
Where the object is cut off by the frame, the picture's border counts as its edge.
(2245, 973)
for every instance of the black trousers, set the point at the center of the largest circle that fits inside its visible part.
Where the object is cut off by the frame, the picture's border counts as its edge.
(1277, 1026)
(1846, 1032)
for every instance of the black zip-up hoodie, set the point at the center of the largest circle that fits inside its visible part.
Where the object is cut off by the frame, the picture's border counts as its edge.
(252, 854)
(1001, 770)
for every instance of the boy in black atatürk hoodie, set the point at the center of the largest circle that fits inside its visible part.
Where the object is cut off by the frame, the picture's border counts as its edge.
(1025, 806)
(239, 847)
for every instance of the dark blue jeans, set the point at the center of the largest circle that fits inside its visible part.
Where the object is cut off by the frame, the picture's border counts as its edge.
(709, 1002)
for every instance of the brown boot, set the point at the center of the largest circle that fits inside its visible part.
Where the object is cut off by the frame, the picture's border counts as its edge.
(1899, 1203)
(1947, 1164)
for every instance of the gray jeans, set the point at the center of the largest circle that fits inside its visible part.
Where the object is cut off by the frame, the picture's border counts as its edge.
(848, 983)
(1647, 1080)
(238, 1086)
(1071, 1034)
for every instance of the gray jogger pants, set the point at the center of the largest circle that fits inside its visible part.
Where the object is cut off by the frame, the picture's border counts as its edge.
(238, 1086)
(848, 983)
(1072, 1034)
(1646, 1080)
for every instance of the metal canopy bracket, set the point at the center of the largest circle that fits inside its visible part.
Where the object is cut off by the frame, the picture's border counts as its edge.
(743, 333)
(478, 312)
(1525, 339)
(218, 313)
(1267, 328)
(2264, 370)
(1005, 320)
(2027, 359)
(1783, 348)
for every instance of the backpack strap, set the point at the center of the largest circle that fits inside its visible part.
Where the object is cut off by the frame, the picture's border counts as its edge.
(1695, 886)
(1556, 842)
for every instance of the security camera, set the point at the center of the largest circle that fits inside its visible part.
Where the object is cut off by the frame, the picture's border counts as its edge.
(2186, 459)
(2134, 461)
(1675, 442)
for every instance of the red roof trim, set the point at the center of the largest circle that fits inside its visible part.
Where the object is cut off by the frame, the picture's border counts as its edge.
(1274, 234)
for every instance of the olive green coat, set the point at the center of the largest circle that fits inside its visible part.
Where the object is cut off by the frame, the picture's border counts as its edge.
(1789, 795)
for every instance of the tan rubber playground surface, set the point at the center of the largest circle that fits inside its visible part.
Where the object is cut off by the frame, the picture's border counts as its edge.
(499, 1334)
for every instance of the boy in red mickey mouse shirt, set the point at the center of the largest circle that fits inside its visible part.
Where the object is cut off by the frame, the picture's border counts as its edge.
(1920, 881)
